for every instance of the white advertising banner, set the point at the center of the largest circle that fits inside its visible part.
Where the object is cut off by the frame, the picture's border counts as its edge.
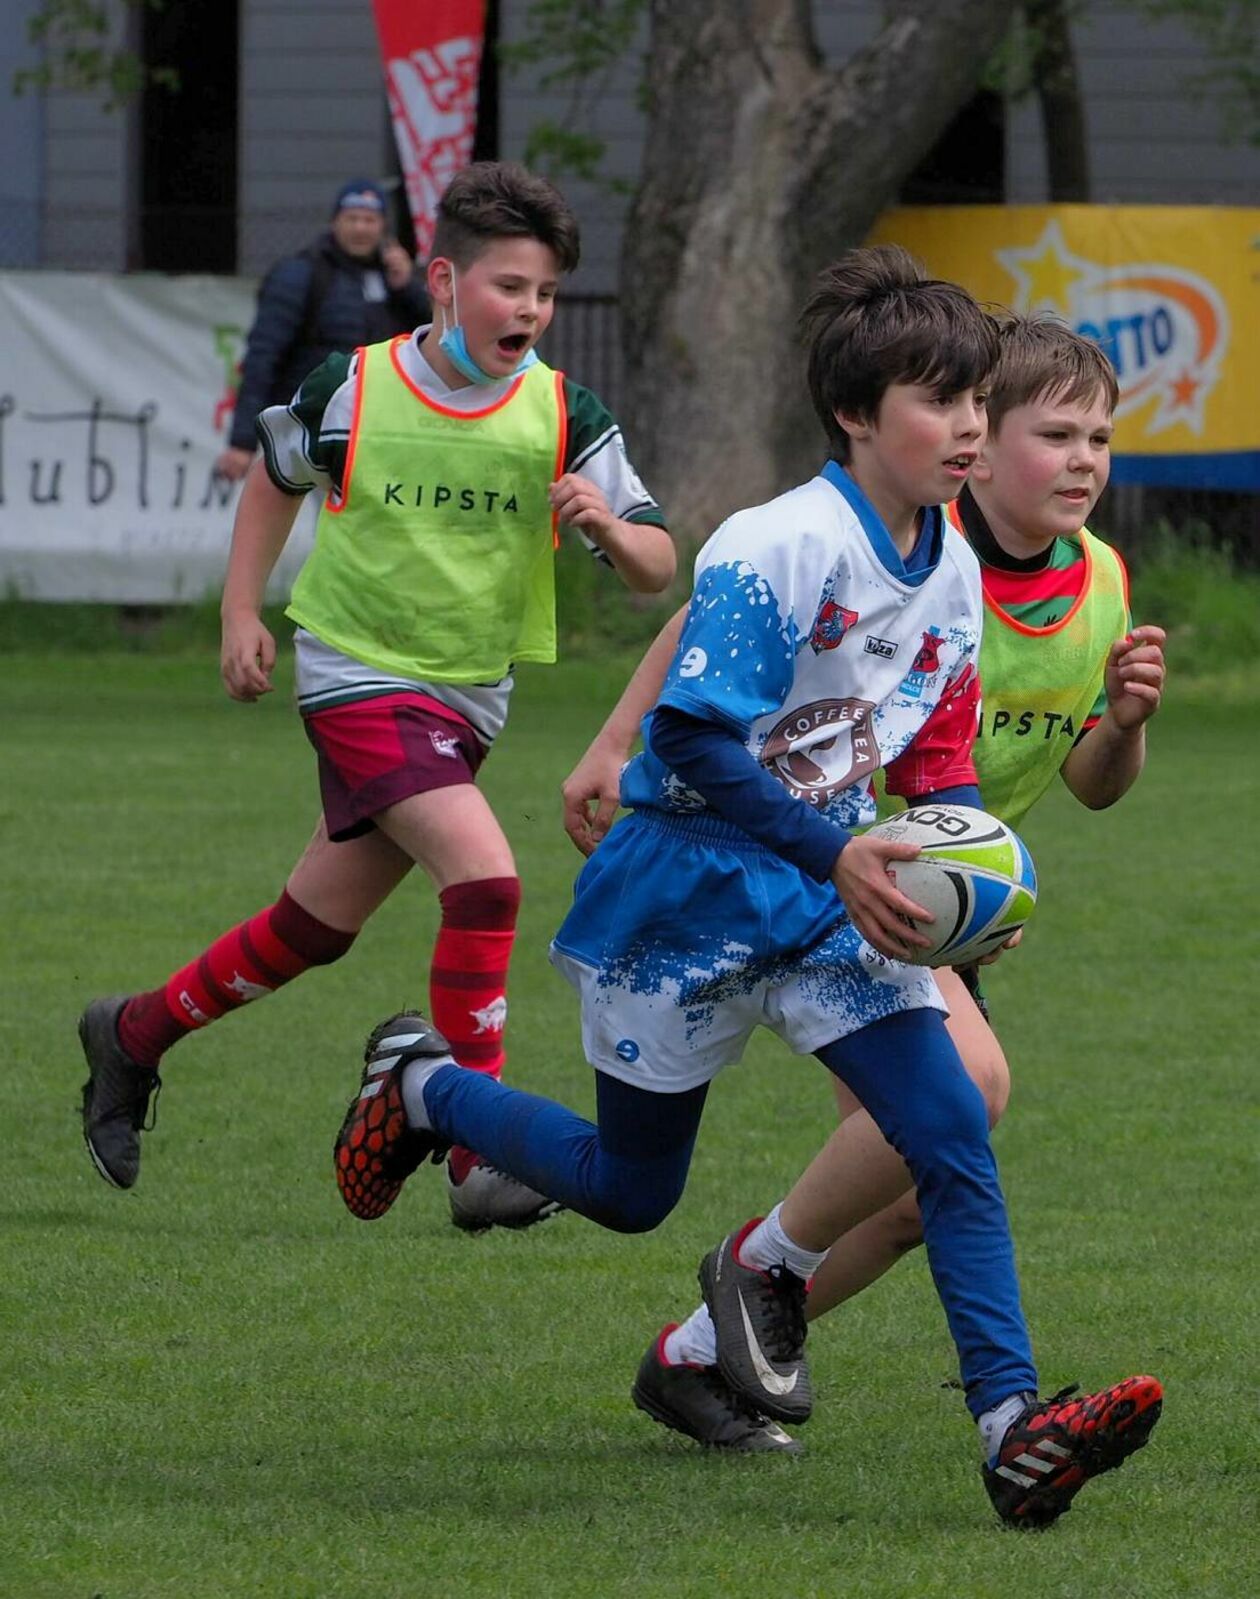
(115, 396)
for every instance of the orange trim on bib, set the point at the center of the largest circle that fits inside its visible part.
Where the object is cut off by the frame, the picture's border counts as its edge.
(1005, 616)
(446, 410)
(562, 445)
(1124, 581)
(335, 508)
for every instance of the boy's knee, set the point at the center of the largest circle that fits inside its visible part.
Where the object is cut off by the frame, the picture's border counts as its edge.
(501, 895)
(903, 1225)
(632, 1217)
(992, 1077)
(482, 901)
(637, 1205)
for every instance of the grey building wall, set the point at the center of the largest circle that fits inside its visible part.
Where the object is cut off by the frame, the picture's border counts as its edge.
(22, 140)
(77, 181)
(312, 113)
(1152, 139)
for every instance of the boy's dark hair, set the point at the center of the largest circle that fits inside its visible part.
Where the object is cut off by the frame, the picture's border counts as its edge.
(500, 200)
(1043, 359)
(875, 319)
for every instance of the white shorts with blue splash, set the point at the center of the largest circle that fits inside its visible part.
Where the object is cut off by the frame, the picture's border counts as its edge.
(685, 935)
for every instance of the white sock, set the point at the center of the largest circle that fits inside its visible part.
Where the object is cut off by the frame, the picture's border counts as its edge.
(695, 1342)
(415, 1076)
(996, 1423)
(768, 1245)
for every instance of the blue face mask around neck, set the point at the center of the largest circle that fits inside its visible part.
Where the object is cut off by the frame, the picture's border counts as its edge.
(454, 346)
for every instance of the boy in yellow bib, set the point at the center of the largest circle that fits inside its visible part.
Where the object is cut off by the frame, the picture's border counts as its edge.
(447, 460)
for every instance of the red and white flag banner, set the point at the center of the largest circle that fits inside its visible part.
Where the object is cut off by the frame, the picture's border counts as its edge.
(432, 57)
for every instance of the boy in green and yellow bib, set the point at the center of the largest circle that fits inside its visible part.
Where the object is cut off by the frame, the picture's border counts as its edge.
(448, 460)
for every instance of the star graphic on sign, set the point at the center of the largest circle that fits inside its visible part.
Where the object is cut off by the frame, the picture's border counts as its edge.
(1184, 390)
(1046, 273)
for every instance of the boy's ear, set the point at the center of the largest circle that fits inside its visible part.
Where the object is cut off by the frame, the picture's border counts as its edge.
(857, 427)
(440, 278)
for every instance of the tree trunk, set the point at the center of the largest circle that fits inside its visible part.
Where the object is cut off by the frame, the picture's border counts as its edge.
(1059, 96)
(761, 165)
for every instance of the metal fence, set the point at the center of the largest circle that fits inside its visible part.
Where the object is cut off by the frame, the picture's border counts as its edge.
(585, 342)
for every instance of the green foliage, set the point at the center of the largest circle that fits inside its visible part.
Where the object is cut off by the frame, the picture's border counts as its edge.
(579, 45)
(1228, 31)
(219, 1385)
(1195, 589)
(79, 54)
(558, 150)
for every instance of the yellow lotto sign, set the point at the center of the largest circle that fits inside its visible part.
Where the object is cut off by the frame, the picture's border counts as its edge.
(1171, 293)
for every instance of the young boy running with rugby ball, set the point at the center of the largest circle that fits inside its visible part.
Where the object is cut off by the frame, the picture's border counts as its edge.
(1068, 686)
(447, 461)
(723, 903)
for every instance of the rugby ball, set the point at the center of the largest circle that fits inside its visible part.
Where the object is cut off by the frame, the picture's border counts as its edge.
(973, 873)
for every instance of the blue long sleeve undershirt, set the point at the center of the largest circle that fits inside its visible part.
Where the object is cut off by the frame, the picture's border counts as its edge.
(716, 764)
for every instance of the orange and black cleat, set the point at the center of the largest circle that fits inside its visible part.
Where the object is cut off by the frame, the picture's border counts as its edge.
(1054, 1448)
(376, 1151)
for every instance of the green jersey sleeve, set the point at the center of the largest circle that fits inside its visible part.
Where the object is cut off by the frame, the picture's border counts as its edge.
(304, 443)
(595, 449)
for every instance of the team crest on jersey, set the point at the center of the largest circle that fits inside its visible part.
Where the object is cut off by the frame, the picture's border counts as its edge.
(925, 665)
(820, 749)
(928, 660)
(833, 622)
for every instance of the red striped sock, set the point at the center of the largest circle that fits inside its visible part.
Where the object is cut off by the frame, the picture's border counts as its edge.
(468, 979)
(254, 959)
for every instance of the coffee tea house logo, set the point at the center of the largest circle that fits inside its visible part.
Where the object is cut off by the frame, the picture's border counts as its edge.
(1164, 329)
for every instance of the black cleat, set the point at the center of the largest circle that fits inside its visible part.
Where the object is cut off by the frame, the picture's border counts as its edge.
(697, 1401)
(759, 1317)
(376, 1151)
(116, 1095)
(1054, 1448)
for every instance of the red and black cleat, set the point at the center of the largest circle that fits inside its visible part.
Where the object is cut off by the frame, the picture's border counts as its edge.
(376, 1151)
(1058, 1444)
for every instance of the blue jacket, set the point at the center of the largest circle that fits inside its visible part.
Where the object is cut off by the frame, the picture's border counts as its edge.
(309, 305)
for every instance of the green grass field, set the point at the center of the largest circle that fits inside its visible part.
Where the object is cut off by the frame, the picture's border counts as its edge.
(220, 1385)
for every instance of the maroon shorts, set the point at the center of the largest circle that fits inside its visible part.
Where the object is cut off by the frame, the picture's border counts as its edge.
(375, 752)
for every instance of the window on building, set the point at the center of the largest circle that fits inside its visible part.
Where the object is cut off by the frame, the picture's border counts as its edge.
(188, 137)
(967, 164)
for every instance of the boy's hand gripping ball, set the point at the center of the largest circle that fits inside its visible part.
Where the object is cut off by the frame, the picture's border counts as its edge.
(973, 873)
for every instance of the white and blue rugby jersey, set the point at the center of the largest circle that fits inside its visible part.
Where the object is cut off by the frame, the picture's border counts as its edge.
(812, 640)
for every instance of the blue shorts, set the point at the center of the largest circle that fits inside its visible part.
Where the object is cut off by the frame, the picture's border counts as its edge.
(685, 935)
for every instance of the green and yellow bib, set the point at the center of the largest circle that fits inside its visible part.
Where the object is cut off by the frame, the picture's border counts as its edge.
(1039, 684)
(437, 559)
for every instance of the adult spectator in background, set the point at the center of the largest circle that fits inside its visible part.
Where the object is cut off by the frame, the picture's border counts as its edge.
(350, 286)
